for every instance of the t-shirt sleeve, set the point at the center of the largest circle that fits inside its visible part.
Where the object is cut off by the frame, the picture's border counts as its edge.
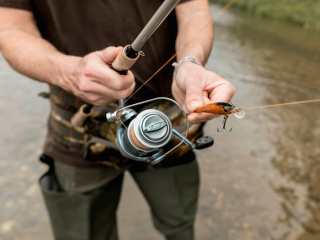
(18, 4)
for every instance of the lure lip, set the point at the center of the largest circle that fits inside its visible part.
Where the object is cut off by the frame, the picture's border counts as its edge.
(239, 112)
(237, 109)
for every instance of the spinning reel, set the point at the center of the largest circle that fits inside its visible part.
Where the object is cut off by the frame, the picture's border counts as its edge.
(142, 136)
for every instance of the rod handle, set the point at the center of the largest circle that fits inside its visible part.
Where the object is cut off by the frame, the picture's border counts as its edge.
(81, 115)
(123, 63)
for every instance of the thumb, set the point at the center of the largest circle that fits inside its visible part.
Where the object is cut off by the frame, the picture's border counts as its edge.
(109, 54)
(194, 97)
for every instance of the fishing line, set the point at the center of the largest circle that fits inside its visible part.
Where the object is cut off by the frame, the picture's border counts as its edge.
(147, 80)
(223, 10)
(283, 104)
(122, 123)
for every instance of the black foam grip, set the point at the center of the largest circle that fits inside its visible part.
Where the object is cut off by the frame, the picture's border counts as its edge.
(121, 72)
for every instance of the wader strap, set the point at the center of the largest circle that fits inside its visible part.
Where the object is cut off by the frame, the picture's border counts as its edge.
(63, 107)
(65, 97)
(60, 125)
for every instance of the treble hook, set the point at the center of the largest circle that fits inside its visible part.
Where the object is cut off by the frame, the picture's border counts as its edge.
(224, 124)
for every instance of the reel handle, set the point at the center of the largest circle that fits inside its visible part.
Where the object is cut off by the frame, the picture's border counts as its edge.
(204, 142)
(200, 143)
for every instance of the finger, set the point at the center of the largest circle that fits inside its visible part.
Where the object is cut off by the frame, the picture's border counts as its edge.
(116, 81)
(109, 54)
(222, 93)
(94, 88)
(99, 94)
(179, 96)
(195, 117)
(194, 96)
(105, 76)
(206, 100)
(124, 93)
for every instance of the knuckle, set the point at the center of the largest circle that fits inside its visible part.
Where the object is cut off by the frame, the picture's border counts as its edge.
(130, 76)
(129, 90)
(83, 86)
(124, 84)
(86, 59)
(100, 103)
(232, 89)
(93, 98)
(120, 85)
(87, 70)
(122, 94)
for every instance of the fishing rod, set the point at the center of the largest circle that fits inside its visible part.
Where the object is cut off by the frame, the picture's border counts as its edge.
(130, 54)
(142, 136)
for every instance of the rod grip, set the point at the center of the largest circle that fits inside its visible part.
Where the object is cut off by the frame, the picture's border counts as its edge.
(123, 63)
(80, 116)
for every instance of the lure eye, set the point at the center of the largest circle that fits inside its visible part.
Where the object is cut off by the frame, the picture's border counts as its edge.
(225, 110)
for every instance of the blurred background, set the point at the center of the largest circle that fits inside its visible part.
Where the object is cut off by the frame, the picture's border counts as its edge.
(261, 181)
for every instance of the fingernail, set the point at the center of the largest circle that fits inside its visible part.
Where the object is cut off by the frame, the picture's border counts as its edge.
(193, 105)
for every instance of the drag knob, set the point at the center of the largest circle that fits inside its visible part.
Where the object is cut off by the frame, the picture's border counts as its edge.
(204, 142)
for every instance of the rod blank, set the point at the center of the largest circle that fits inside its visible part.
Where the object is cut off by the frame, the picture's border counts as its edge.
(156, 20)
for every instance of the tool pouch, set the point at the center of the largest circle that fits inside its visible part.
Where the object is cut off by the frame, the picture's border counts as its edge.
(95, 139)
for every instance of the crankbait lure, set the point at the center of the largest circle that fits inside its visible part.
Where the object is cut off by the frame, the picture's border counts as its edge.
(222, 108)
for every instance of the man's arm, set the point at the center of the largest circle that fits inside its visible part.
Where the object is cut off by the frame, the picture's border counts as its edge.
(195, 86)
(89, 78)
(195, 30)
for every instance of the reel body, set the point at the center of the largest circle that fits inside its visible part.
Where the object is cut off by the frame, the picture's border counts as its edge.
(142, 136)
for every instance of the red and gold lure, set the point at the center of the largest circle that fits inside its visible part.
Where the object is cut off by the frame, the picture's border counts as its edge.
(222, 108)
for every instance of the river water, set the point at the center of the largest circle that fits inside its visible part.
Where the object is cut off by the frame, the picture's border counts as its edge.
(261, 181)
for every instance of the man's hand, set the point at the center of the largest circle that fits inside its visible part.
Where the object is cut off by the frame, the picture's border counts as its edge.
(195, 86)
(89, 78)
(95, 82)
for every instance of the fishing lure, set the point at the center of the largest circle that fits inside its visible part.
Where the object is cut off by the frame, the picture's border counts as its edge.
(222, 108)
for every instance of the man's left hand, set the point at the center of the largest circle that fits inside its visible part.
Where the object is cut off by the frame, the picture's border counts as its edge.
(194, 86)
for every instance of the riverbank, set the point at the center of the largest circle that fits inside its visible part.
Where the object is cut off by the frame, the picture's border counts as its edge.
(305, 13)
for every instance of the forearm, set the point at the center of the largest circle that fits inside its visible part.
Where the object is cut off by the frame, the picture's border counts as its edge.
(36, 58)
(195, 30)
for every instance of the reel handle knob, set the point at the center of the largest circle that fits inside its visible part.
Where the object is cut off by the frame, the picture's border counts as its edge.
(204, 142)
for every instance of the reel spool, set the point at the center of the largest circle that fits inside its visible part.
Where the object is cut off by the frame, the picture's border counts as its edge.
(142, 136)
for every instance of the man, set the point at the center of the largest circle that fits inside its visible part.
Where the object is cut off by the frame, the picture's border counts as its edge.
(59, 42)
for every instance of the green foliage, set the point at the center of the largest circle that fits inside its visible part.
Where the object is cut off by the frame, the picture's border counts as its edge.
(303, 12)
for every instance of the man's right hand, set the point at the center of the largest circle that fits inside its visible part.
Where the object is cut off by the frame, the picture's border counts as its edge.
(95, 82)
(89, 78)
